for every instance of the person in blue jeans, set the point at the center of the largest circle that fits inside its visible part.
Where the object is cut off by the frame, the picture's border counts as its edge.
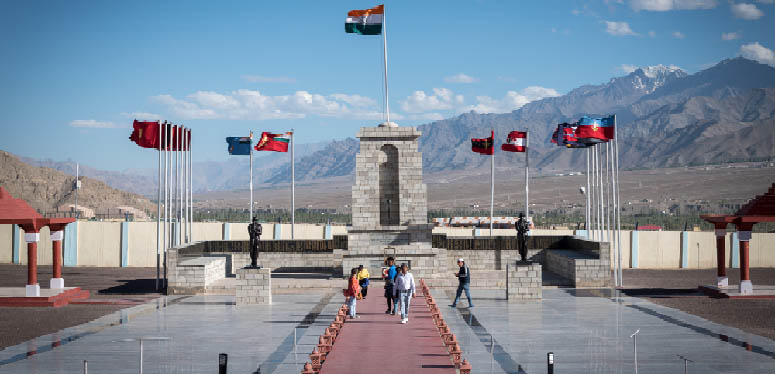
(405, 290)
(464, 278)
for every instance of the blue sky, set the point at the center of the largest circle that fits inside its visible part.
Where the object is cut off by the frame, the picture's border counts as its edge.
(75, 73)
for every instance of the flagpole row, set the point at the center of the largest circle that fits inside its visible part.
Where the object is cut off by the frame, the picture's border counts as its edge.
(600, 219)
(179, 190)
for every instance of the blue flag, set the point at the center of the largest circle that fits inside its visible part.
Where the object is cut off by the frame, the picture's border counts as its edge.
(239, 146)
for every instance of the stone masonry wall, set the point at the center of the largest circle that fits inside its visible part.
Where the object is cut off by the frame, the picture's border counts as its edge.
(254, 286)
(523, 282)
(371, 161)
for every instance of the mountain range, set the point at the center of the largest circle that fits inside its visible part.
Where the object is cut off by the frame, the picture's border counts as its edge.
(665, 118)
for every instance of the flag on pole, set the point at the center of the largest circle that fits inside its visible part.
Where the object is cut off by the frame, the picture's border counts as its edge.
(484, 146)
(365, 22)
(515, 142)
(595, 130)
(239, 146)
(273, 142)
(565, 136)
(145, 134)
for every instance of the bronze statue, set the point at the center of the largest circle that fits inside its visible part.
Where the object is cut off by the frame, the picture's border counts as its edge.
(254, 230)
(522, 229)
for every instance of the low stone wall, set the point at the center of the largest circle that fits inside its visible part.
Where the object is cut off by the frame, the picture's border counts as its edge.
(523, 282)
(194, 275)
(580, 268)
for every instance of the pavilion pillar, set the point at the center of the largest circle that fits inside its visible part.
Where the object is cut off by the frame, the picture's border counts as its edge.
(57, 282)
(33, 288)
(721, 273)
(744, 236)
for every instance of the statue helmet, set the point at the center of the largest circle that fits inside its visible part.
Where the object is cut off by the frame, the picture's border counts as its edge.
(521, 215)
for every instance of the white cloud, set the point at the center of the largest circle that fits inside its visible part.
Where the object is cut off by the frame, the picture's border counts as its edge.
(758, 52)
(618, 28)
(460, 78)
(627, 68)
(264, 79)
(253, 105)
(652, 34)
(513, 100)
(678, 35)
(142, 116)
(442, 98)
(766, 1)
(746, 11)
(667, 5)
(94, 124)
(433, 116)
(731, 35)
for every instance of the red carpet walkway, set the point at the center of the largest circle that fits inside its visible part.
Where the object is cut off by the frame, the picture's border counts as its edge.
(379, 343)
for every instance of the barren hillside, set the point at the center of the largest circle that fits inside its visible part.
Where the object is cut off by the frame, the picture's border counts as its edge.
(49, 190)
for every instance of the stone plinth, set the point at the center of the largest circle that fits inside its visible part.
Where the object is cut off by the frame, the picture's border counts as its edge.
(254, 286)
(523, 281)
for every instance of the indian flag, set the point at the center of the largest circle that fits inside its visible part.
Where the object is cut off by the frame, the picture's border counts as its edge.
(365, 22)
(274, 142)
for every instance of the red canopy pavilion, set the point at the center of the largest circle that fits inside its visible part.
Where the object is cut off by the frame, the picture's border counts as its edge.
(17, 211)
(759, 209)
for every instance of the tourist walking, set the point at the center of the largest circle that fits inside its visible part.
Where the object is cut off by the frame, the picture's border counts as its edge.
(363, 280)
(464, 280)
(353, 291)
(390, 277)
(404, 289)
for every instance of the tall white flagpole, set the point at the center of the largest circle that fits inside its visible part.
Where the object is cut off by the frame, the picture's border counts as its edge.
(293, 186)
(593, 197)
(185, 183)
(251, 177)
(606, 196)
(492, 181)
(601, 202)
(384, 54)
(190, 191)
(167, 128)
(618, 202)
(183, 188)
(587, 192)
(158, 211)
(174, 203)
(179, 184)
(527, 181)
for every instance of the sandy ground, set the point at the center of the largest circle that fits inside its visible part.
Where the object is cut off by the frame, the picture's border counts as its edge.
(18, 325)
(678, 289)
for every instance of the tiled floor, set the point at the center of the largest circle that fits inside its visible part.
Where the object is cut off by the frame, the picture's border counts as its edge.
(588, 331)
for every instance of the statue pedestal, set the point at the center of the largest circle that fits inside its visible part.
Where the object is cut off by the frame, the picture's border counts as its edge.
(254, 286)
(523, 281)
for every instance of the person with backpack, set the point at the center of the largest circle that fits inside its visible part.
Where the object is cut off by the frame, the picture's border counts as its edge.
(464, 278)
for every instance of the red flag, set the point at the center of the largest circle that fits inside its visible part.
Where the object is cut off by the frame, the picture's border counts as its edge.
(484, 146)
(273, 142)
(145, 134)
(515, 142)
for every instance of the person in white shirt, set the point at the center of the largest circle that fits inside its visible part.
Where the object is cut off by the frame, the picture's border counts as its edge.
(404, 290)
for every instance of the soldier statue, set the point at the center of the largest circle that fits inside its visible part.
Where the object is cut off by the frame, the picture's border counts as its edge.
(522, 229)
(254, 230)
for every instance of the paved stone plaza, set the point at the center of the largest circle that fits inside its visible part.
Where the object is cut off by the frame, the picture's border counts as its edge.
(588, 331)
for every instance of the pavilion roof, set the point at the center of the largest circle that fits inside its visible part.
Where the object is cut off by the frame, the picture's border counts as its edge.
(17, 211)
(759, 209)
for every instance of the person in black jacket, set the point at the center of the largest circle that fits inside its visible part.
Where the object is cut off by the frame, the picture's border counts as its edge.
(464, 277)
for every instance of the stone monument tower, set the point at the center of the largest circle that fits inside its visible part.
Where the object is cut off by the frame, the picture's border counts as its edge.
(389, 207)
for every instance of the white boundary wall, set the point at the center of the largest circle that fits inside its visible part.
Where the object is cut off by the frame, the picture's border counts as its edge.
(100, 243)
